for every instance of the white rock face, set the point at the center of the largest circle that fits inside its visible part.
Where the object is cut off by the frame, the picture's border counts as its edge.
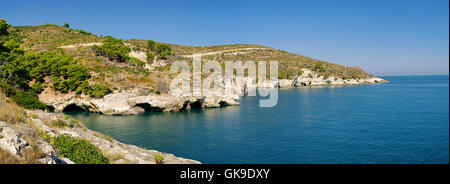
(311, 78)
(131, 102)
(139, 55)
(10, 140)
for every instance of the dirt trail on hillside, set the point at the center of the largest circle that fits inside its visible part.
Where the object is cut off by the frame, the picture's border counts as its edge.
(186, 56)
(224, 51)
(80, 45)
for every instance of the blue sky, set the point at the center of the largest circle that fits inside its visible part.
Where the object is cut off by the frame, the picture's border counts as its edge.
(394, 37)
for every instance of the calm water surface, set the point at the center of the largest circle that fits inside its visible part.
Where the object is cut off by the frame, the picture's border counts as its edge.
(405, 121)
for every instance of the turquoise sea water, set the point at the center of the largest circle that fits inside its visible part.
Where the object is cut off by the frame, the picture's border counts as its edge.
(404, 121)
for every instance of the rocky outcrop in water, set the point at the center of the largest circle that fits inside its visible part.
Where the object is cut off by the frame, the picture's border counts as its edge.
(312, 79)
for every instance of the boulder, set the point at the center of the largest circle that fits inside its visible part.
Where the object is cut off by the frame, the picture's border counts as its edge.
(11, 141)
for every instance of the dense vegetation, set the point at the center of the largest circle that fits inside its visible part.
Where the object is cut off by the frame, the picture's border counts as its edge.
(78, 150)
(162, 50)
(25, 74)
(11, 77)
(113, 49)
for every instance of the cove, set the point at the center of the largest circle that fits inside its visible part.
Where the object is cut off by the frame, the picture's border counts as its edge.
(404, 121)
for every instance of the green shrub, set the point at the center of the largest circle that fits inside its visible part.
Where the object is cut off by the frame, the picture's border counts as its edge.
(28, 100)
(59, 123)
(136, 62)
(67, 75)
(97, 90)
(7, 90)
(37, 87)
(80, 31)
(113, 49)
(159, 158)
(74, 122)
(78, 150)
(163, 50)
(4, 27)
(319, 68)
(151, 45)
(108, 138)
(150, 56)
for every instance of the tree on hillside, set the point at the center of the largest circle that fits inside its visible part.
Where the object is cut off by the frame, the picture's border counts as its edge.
(66, 25)
(151, 45)
(113, 49)
(163, 50)
(3, 27)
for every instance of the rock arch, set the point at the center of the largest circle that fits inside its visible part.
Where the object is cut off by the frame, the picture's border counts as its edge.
(148, 108)
(73, 107)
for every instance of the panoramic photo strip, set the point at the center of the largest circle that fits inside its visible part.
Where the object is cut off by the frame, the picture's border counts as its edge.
(224, 91)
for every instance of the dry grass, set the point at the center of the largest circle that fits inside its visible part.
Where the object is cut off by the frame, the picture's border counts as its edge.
(28, 156)
(7, 158)
(31, 156)
(16, 117)
(287, 62)
(113, 157)
(48, 37)
(10, 112)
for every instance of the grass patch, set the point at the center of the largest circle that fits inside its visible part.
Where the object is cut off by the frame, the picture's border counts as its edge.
(7, 158)
(108, 138)
(11, 113)
(159, 158)
(78, 150)
(113, 157)
(59, 123)
(28, 156)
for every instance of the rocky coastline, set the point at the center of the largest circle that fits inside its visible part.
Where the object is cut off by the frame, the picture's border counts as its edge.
(17, 139)
(136, 101)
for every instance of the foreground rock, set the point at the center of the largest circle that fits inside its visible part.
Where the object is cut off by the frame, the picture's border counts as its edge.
(118, 153)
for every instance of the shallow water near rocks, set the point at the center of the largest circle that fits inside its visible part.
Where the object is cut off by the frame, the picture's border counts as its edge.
(404, 121)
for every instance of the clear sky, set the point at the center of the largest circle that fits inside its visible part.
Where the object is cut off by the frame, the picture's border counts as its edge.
(383, 37)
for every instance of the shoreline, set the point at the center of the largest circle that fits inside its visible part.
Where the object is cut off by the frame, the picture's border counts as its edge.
(136, 101)
(33, 136)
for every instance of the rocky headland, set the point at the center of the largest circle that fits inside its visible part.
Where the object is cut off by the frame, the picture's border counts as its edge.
(137, 101)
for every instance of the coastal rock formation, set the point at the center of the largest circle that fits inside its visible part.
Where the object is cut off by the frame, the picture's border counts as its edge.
(11, 141)
(133, 102)
(123, 153)
(313, 79)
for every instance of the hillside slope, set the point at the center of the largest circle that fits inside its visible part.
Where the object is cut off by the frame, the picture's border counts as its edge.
(65, 67)
(121, 76)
